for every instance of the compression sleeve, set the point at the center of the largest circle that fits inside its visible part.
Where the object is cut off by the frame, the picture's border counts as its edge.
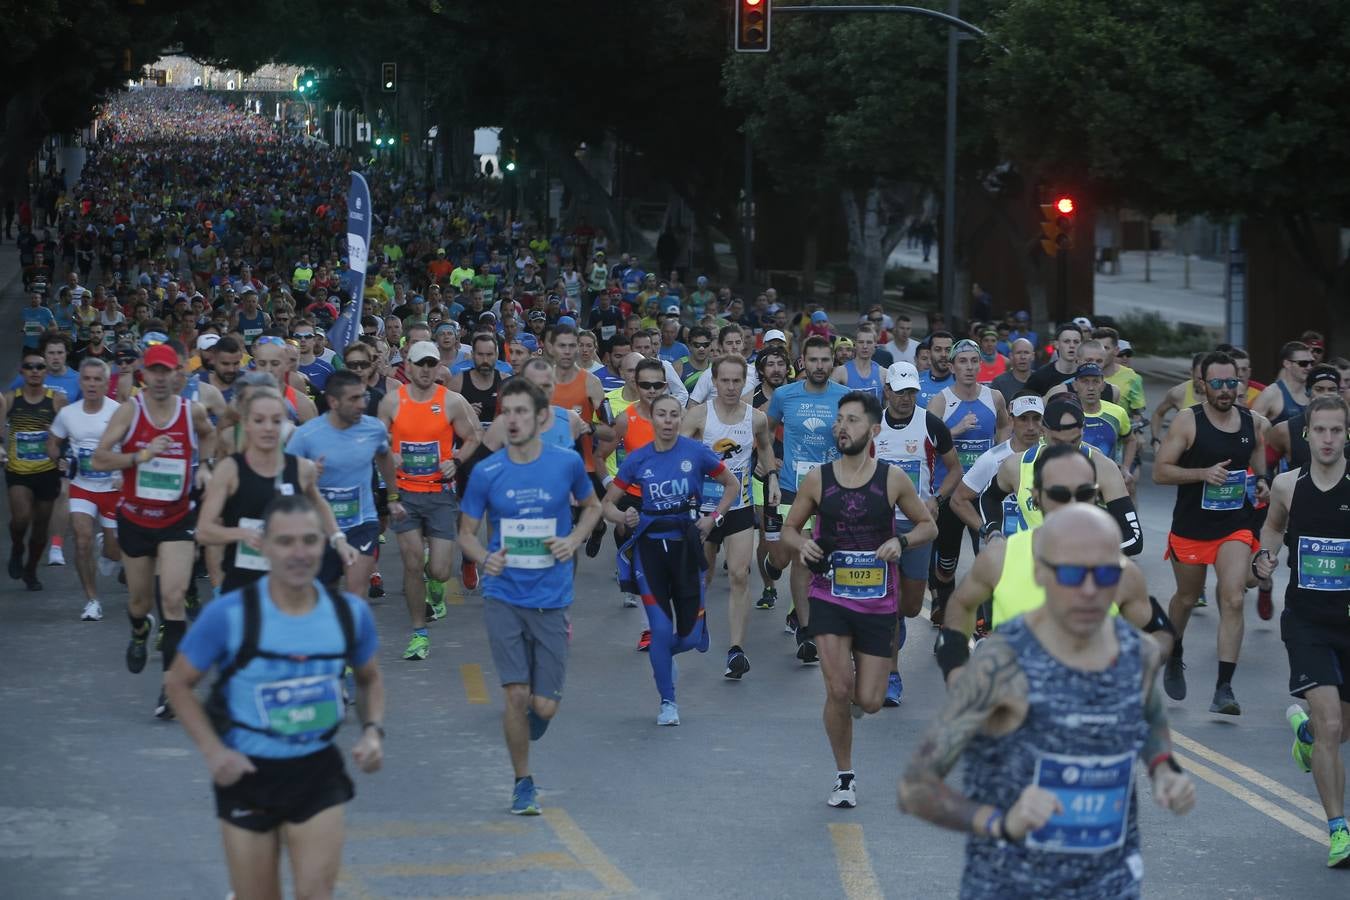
(1123, 511)
(991, 502)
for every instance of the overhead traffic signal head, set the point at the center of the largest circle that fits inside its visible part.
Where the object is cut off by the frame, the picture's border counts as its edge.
(510, 164)
(389, 77)
(752, 26)
(1057, 226)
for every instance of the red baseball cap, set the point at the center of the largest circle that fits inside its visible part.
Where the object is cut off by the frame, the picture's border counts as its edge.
(161, 355)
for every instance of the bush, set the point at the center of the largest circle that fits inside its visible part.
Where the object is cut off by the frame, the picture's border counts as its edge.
(1150, 334)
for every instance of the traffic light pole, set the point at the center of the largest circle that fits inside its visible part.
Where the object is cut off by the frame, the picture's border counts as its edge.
(956, 24)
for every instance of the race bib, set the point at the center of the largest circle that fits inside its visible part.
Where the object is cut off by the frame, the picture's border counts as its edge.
(420, 457)
(251, 334)
(161, 479)
(245, 557)
(1013, 520)
(1230, 495)
(346, 505)
(30, 446)
(1095, 794)
(1323, 564)
(801, 467)
(967, 451)
(857, 575)
(523, 541)
(607, 331)
(85, 462)
(911, 468)
(302, 708)
(713, 491)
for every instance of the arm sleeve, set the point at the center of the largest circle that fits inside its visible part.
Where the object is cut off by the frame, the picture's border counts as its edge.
(991, 501)
(1122, 510)
(942, 435)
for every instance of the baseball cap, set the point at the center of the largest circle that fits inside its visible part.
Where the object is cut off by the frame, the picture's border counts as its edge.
(423, 350)
(162, 355)
(1089, 369)
(702, 281)
(843, 342)
(536, 314)
(774, 335)
(1020, 406)
(567, 320)
(440, 251)
(1083, 322)
(819, 316)
(1061, 406)
(528, 342)
(673, 309)
(1124, 348)
(965, 345)
(207, 341)
(902, 376)
(1318, 343)
(1022, 316)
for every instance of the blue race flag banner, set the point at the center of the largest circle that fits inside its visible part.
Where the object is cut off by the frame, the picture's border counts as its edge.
(348, 326)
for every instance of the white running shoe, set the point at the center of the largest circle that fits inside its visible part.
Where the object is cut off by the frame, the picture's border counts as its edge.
(669, 714)
(93, 611)
(630, 601)
(108, 567)
(844, 795)
(55, 556)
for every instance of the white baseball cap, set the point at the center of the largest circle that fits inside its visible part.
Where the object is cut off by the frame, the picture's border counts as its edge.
(423, 350)
(207, 341)
(774, 334)
(1020, 406)
(1083, 322)
(902, 376)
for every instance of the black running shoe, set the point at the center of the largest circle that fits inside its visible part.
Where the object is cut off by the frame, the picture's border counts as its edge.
(737, 664)
(806, 650)
(1174, 678)
(192, 602)
(767, 599)
(31, 582)
(162, 708)
(137, 651)
(595, 540)
(1224, 702)
(16, 566)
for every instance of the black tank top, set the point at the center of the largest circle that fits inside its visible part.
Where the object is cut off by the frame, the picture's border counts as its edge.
(1318, 538)
(248, 501)
(374, 394)
(486, 399)
(1300, 454)
(1204, 512)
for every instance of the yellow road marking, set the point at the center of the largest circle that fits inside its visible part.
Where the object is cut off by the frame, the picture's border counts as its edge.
(1255, 801)
(406, 829)
(855, 869)
(474, 687)
(585, 850)
(524, 862)
(453, 595)
(545, 895)
(1269, 785)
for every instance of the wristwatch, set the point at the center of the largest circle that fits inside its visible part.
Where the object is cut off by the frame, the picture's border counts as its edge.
(379, 729)
(718, 520)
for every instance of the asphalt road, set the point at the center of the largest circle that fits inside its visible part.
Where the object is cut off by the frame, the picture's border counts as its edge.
(97, 798)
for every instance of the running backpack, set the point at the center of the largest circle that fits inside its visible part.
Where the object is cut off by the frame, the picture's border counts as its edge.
(217, 704)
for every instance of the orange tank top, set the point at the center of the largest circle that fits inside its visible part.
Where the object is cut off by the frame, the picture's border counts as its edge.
(424, 438)
(573, 396)
(638, 434)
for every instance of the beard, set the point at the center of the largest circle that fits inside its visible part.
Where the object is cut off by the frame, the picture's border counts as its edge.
(853, 448)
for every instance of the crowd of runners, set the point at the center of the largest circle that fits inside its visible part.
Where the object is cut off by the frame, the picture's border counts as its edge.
(521, 397)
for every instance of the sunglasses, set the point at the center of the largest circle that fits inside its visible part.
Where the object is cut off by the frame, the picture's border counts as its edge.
(34, 367)
(652, 385)
(125, 360)
(356, 366)
(268, 340)
(427, 363)
(1062, 493)
(1230, 383)
(1071, 575)
(305, 336)
(701, 345)
(1302, 363)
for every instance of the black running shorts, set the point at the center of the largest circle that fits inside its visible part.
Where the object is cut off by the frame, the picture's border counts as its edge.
(290, 790)
(872, 633)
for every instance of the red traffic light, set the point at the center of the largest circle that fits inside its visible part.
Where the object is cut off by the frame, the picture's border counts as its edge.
(752, 26)
(1064, 205)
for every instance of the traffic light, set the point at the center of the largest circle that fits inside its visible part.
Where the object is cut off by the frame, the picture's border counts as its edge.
(752, 26)
(389, 77)
(1057, 226)
(307, 82)
(510, 165)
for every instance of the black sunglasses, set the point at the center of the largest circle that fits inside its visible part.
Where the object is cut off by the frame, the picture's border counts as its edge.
(355, 365)
(1302, 363)
(427, 363)
(645, 385)
(1061, 493)
(1072, 575)
(701, 345)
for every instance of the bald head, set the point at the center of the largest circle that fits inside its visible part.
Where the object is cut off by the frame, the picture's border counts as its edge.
(1022, 342)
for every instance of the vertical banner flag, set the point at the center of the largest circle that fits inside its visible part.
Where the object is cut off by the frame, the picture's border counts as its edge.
(348, 326)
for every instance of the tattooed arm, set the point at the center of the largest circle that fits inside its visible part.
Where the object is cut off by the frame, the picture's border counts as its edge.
(989, 694)
(1172, 788)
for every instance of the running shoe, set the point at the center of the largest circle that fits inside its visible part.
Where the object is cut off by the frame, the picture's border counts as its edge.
(669, 714)
(1339, 857)
(1265, 606)
(790, 624)
(16, 566)
(767, 599)
(524, 799)
(468, 576)
(1174, 678)
(192, 602)
(107, 567)
(376, 587)
(737, 664)
(1302, 750)
(93, 611)
(30, 582)
(806, 651)
(1202, 602)
(895, 689)
(381, 537)
(855, 710)
(597, 538)
(844, 794)
(419, 648)
(935, 613)
(630, 601)
(644, 640)
(1224, 702)
(137, 652)
(435, 591)
(56, 556)
(436, 608)
(162, 708)
(538, 724)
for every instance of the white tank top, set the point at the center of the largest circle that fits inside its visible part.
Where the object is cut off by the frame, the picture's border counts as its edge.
(910, 450)
(733, 445)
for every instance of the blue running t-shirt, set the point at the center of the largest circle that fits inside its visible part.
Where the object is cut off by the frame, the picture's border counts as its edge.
(347, 455)
(808, 428)
(671, 481)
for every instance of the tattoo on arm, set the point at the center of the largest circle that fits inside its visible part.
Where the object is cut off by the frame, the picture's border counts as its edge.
(1159, 738)
(991, 681)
